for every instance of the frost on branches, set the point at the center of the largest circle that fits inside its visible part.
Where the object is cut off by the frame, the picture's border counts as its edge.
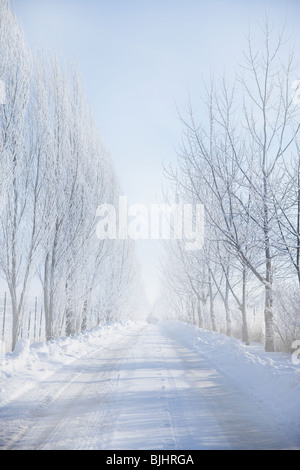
(55, 172)
(240, 158)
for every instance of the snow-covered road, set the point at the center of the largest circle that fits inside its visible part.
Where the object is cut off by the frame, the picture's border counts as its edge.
(148, 390)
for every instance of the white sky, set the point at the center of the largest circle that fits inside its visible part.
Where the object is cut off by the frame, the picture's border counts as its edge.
(139, 60)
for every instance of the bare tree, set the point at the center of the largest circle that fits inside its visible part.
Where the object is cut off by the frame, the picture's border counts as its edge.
(232, 159)
(269, 133)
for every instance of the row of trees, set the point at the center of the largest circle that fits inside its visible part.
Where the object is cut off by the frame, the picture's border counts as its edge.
(55, 172)
(240, 158)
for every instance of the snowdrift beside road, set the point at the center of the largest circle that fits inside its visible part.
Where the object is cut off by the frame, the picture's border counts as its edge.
(271, 378)
(28, 365)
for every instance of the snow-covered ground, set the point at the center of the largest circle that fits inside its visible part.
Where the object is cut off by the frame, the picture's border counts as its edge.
(136, 386)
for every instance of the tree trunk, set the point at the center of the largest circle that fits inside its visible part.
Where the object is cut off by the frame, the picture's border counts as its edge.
(200, 313)
(46, 289)
(269, 325)
(211, 304)
(227, 308)
(245, 333)
(16, 320)
(84, 316)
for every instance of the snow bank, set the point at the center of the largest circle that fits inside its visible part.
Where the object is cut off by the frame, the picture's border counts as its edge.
(29, 364)
(271, 378)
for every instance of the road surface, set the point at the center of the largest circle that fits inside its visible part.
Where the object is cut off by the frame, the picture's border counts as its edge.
(148, 391)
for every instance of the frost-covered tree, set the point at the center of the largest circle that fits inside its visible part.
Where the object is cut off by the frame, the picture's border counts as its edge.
(232, 160)
(55, 172)
(17, 222)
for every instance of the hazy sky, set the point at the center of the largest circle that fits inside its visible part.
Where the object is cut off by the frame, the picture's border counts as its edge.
(140, 60)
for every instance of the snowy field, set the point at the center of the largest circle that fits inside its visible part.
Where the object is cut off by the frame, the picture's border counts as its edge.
(168, 386)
